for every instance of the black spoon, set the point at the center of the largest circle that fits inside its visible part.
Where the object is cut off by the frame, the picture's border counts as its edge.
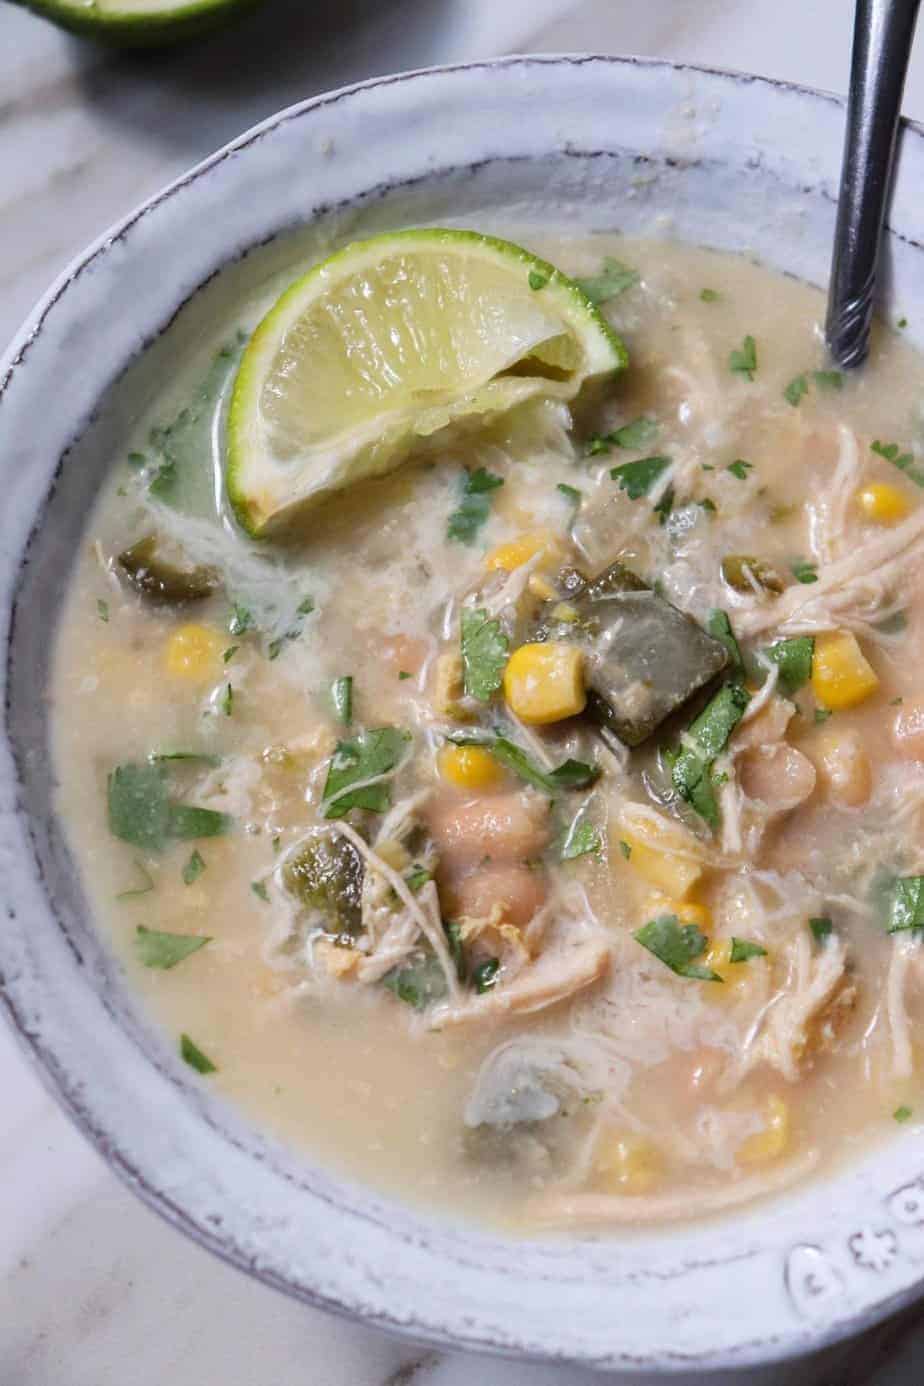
(882, 38)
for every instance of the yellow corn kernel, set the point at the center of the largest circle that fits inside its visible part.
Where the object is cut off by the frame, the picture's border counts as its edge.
(841, 674)
(736, 976)
(663, 857)
(545, 682)
(469, 767)
(540, 587)
(685, 910)
(771, 1142)
(194, 652)
(626, 1163)
(518, 551)
(881, 503)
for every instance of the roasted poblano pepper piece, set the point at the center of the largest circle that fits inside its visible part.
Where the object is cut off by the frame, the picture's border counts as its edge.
(743, 573)
(645, 658)
(161, 580)
(326, 874)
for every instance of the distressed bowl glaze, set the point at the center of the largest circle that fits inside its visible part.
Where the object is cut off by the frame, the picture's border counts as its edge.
(733, 162)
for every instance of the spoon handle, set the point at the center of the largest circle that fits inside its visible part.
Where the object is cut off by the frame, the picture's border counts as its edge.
(882, 38)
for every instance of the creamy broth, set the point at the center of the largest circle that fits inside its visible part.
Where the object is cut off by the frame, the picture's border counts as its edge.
(621, 1091)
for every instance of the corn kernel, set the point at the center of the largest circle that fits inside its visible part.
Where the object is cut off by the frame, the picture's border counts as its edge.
(736, 976)
(771, 1142)
(841, 674)
(660, 857)
(194, 652)
(627, 1164)
(518, 551)
(469, 767)
(545, 682)
(540, 587)
(881, 503)
(685, 910)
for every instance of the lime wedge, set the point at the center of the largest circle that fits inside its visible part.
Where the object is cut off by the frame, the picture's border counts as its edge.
(392, 341)
(137, 23)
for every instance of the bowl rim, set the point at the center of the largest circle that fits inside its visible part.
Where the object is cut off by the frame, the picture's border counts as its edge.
(65, 1091)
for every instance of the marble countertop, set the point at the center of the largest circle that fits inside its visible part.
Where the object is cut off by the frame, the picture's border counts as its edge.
(94, 1289)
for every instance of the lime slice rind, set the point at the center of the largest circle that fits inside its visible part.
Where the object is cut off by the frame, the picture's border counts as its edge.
(138, 23)
(391, 341)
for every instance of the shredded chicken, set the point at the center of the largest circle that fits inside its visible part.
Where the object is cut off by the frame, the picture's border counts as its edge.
(555, 976)
(554, 1209)
(782, 1034)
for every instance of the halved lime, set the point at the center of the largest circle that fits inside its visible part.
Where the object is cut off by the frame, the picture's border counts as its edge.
(392, 341)
(138, 23)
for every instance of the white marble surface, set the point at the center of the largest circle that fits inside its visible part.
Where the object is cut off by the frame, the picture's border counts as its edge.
(94, 1290)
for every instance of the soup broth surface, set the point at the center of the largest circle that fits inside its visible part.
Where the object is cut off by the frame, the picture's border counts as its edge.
(445, 994)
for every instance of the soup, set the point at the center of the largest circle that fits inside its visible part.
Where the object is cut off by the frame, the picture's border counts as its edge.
(534, 830)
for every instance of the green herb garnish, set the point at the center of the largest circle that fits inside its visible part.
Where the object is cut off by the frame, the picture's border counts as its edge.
(259, 889)
(571, 493)
(484, 654)
(485, 975)
(709, 295)
(906, 908)
(719, 627)
(902, 1114)
(625, 848)
(275, 646)
(707, 736)
(160, 950)
(341, 693)
(475, 506)
(193, 868)
(582, 837)
(796, 390)
(793, 658)
(229, 653)
(614, 279)
(822, 714)
(743, 360)
(226, 701)
(637, 478)
(418, 983)
(828, 380)
(677, 946)
(740, 468)
(369, 756)
(141, 811)
(537, 281)
(571, 774)
(416, 877)
(194, 1056)
(803, 571)
(742, 950)
(822, 926)
(904, 461)
(241, 620)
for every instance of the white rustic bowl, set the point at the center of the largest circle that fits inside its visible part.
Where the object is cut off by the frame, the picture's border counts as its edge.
(589, 143)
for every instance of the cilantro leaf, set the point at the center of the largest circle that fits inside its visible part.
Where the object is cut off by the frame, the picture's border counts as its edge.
(582, 837)
(902, 1114)
(571, 493)
(484, 654)
(742, 950)
(706, 737)
(822, 927)
(571, 774)
(276, 645)
(260, 891)
(188, 821)
(193, 868)
(803, 571)
(904, 461)
(139, 805)
(906, 908)
(625, 849)
(194, 1056)
(743, 360)
(709, 295)
(719, 627)
(537, 281)
(417, 877)
(632, 436)
(828, 380)
(796, 390)
(369, 756)
(417, 983)
(485, 975)
(241, 620)
(740, 468)
(156, 949)
(614, 279)
(794, 659)
(637, 478)
(475, 505)
(677, 946)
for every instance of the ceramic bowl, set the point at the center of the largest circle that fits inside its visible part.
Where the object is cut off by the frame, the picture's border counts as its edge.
(592, 143)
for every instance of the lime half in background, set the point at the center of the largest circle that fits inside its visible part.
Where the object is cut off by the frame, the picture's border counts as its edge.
(138, 23)
(391, 341)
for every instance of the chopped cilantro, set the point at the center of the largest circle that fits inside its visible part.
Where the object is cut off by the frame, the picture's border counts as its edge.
(828, 380)
(822, 927)
(822, 714)
(403, 674)
(637, 478)
(226, 702)
(341, 693)
(742, 950)
(186, 821)
(194, 1056)
(484, 654)
(485, 975)
(803, 571)
(416, 877)
(708, 505)
(906, 907)
(743, 360)
(571, 774)
(677, 946)
(902, 322)
(706, 737)
(582, 837)
(475, 506)
(139, 806)
(193, 868)
(417, 983)
(137, 459)
(156, 949)
(614, 279)
(229, 653)
(902, 1114)
(709, 295)
(102, 610)
(537, 280)
(241, 620)
(794, 659)
(625, 848)
(719, 627)
(632, 437)
(370, 756)
(571, 493)
(259, 889)
(796, 390)
(275, 646)
(904, 461)
(740, 468)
